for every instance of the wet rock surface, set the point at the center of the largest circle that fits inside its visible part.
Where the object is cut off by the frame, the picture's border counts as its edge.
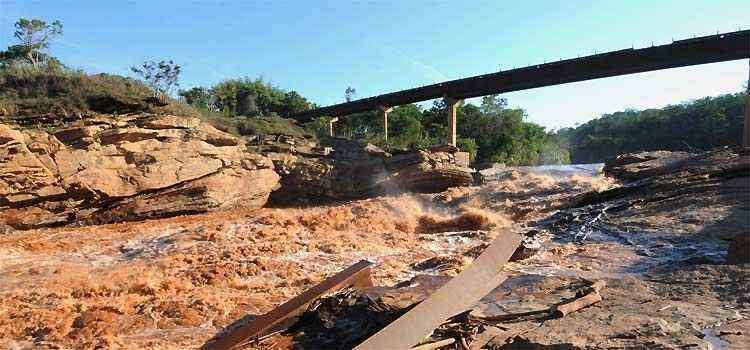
(355, 170)
(659, 241)
(107, 169)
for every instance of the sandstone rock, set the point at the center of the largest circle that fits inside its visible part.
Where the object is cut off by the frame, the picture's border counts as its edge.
(636, 166)
(151, 167)
(709, 191)
(5, 229)
(424, 171)
(172, 122)
(633, 166)
(73, 136)
(24, 175)
(360, 170)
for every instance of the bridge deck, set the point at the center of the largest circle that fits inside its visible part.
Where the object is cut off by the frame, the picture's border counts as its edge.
(681, 53)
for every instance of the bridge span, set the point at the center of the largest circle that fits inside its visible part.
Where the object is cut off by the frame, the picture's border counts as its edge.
(701, 50)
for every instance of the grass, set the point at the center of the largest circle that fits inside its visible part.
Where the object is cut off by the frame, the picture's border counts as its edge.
(260, 125)
(25, 90)
(29, 91)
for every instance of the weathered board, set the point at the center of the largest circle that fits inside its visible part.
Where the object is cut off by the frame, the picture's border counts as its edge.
(456, 296)
(357, 276)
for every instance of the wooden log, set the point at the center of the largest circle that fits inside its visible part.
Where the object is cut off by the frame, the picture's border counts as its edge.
(519, 315)
(587, 300)
(357, 276)
(435, 345)
(456, 296)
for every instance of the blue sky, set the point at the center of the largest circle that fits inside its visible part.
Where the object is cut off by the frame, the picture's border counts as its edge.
(318, 48)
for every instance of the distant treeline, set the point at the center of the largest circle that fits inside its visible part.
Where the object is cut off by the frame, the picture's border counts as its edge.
(34, 82)
(491, 131)
(691, 126)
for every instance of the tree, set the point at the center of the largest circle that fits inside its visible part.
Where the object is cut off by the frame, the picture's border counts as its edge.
(697, 125)
(349, 93)
(493, 104)
(198, 97)
(246, 103)
(35, 36)
(405, 127)
(293, 103)
(162, 77)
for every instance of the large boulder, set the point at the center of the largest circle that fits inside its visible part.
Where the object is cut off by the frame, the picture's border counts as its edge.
(126, 169)
(359, 170)
(708, 190)
(634, 166)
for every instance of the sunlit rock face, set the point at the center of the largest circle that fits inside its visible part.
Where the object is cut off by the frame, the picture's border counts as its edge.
(132, 168)
(355, 170)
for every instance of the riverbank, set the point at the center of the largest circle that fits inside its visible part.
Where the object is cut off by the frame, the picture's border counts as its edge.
(660, 242)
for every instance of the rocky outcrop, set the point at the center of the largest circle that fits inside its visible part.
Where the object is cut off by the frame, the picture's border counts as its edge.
(358, 170)
(711, 185)
(129, 168)
(633, 166)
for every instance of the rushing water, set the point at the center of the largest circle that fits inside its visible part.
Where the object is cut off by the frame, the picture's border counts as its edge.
(501, 172)
(563, 170)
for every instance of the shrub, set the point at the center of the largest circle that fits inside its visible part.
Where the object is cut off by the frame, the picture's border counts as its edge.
(29, 90)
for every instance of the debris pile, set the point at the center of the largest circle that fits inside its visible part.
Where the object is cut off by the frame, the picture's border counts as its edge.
(346, 317)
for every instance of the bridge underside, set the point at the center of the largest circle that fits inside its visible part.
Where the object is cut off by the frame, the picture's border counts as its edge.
(681, 53)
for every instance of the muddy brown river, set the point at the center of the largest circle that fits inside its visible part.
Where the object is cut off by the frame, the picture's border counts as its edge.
(174, 283)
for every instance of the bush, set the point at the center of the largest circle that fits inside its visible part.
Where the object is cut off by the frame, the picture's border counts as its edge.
(468, 144)
(243, 126)
(272, 125)
(26, 90)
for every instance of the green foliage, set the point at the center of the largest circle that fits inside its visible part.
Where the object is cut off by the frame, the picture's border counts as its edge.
(34, 35)
(29, 90)
(468, 144)
(693, 126)
(161, 76)
(293, 103)
(268, 125)
(247, 97)
(349, 94)
(15, 57)
(262, 125)
(502, 135)
(405, 127)
(319, 128)
(489, 132)
(198, 97)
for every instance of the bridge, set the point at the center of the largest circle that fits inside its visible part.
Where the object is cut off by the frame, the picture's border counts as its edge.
(689, 52)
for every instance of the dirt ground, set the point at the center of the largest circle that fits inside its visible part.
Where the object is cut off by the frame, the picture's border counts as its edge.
(174, 283)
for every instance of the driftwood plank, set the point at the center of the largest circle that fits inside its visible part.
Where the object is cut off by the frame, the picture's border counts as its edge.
(357, 276)
(435, 345)
(490, 334)
(456, 296)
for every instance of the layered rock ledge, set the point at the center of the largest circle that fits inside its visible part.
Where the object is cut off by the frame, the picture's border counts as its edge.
(356, 170)
(128, 168)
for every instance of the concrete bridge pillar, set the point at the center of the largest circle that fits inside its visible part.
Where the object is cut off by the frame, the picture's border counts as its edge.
(452, 106)
(383, 111)
(330, 126)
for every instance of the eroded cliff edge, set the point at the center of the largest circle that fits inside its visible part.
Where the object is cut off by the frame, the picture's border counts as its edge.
(109, 169)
